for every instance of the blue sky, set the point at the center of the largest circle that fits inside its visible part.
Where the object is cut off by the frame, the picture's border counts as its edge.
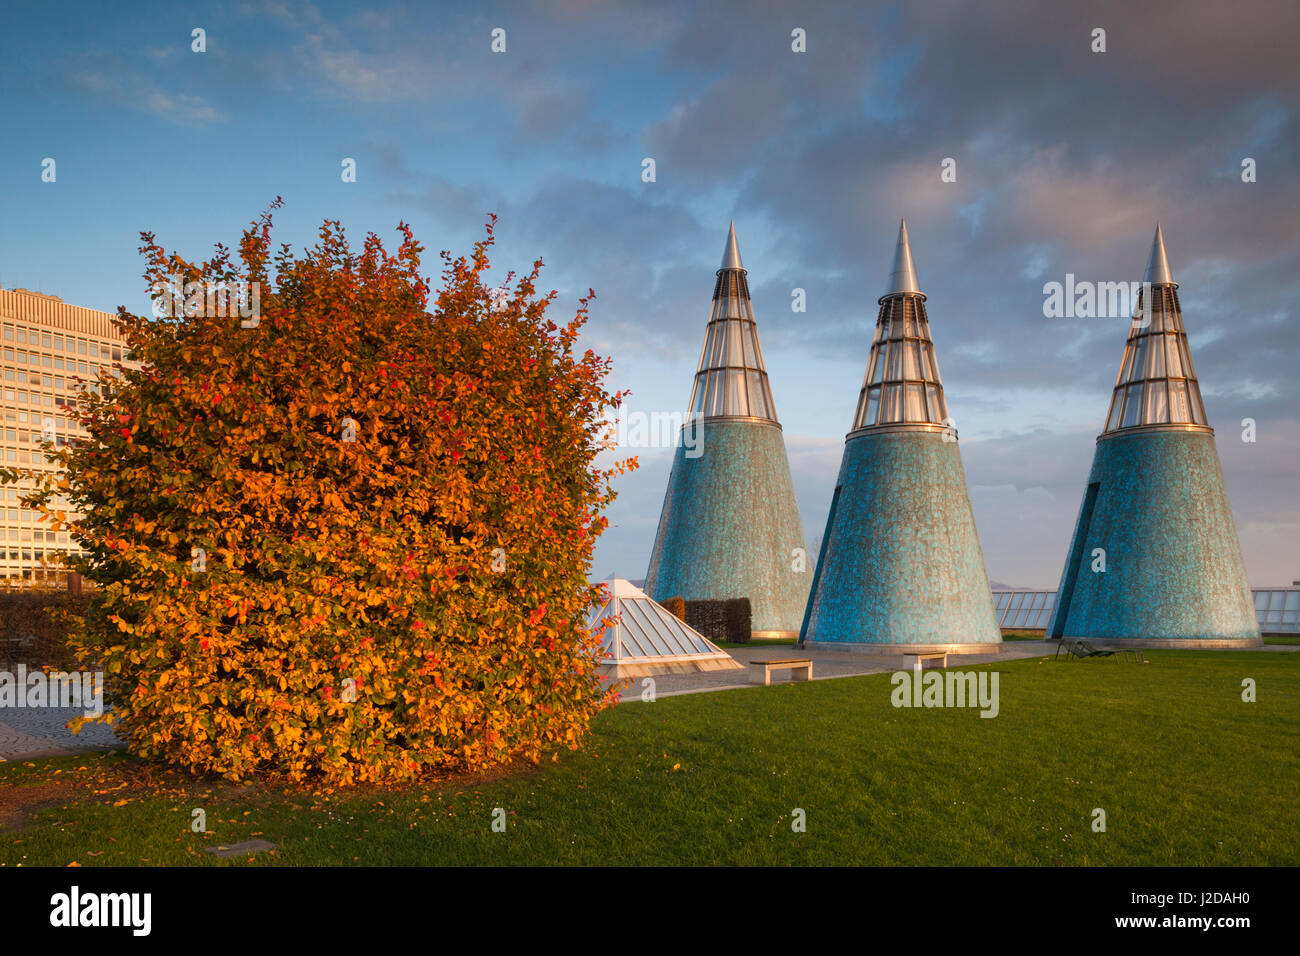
(1066, 158)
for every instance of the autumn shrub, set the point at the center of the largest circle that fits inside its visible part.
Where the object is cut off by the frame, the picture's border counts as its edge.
(347, 539)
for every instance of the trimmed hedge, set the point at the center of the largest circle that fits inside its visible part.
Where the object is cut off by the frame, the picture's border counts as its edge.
(34, 625)
(676, 606)
(727, 620)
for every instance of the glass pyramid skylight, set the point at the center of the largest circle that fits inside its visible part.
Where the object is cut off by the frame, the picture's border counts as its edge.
(647, 634)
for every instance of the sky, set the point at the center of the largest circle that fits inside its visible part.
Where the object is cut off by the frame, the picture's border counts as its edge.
(1065, 158)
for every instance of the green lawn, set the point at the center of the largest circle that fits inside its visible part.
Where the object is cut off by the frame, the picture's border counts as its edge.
(1187, 773)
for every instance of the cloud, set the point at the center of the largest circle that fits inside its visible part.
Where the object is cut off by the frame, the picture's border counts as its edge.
(109, 78)
(1065, 161)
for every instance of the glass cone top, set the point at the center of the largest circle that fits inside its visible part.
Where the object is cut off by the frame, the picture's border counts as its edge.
(1157, 383)
(902, 385)
(731, 380)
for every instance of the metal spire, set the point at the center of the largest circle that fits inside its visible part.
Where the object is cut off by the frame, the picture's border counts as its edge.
(731, 379)
(902, 385)
(1158, 264)
(903, 276)
(1157, 384)
(731, 253)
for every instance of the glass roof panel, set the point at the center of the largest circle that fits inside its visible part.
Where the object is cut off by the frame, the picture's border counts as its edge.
(731, 343)
(1157, 355)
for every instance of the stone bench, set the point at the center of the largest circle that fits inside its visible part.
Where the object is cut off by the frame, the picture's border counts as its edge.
(916, 661)
(800, 668)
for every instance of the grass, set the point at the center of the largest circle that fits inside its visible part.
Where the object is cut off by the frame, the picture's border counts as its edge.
(1282, 639)
(1023, 635)
(759, 642)
(1187, 773)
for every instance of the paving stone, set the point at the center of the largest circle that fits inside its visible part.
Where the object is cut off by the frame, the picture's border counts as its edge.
(826, 665)
(245, 848)
(27, 732)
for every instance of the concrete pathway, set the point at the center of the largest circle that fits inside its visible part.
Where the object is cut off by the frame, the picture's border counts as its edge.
(826, 666)
(27, 732)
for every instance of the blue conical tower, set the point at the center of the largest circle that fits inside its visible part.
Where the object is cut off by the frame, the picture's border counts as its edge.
(900, 567)
(730, 525)
(1155, 561)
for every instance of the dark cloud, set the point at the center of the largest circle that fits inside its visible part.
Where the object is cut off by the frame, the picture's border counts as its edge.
(1065, 161)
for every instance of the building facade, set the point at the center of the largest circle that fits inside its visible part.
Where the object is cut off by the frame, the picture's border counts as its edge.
(49, 350)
